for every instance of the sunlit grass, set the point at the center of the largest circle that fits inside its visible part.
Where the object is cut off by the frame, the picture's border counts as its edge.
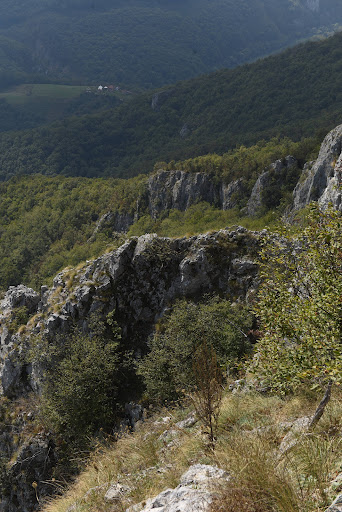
(251, 429)
(201, 218)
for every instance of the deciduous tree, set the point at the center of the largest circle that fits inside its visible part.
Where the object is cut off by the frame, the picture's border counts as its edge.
(300, 305)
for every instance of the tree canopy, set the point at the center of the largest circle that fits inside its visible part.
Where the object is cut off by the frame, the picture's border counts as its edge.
(299, 305)
(150, 43)
(189, 325)
(211, 114)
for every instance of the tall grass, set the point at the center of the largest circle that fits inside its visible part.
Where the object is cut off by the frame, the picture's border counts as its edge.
(251, 429)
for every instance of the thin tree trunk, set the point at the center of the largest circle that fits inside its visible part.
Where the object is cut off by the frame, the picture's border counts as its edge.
(320, 409)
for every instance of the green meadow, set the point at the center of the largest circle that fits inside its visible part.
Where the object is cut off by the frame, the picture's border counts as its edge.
(26, 106)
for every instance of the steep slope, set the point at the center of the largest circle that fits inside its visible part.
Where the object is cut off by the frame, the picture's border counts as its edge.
(154, 42)
(133, 286)
(251, 425)
(321, 181)
(47, 223)
(295, 93)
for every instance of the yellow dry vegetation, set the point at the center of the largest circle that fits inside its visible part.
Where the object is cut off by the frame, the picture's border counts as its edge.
(251, 429)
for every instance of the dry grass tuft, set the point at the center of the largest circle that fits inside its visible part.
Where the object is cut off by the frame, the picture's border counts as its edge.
(251, 428)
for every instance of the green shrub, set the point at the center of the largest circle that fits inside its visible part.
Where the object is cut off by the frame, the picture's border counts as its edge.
(19, 317)
(168, 368)
(299, 305)
(82, 381)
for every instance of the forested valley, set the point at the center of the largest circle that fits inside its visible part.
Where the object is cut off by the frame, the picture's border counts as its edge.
(170, 255)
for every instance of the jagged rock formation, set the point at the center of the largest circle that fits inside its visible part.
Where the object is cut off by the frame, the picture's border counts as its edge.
(321, 181)
(139, 280)
(114, 221)
(193, 494)
(277, 171)
(29, 475)
(180, 189)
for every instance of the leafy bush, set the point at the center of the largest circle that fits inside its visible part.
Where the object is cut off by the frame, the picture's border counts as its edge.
(19, 317)
(82, 381)
(299, 305)
(168, 368)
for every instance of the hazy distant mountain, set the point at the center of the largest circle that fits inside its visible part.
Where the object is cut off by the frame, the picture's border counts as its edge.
(295, 93)
(148, 43)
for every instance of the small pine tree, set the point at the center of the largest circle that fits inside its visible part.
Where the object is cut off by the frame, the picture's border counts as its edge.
(207, 397)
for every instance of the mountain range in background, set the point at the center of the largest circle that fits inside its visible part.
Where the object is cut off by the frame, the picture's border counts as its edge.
(296, 94)
(149, 43)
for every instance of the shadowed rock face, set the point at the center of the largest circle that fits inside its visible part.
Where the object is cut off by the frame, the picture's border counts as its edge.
(321, 181)
(139, 280)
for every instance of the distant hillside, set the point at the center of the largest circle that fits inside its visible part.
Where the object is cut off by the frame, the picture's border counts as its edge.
(47, 223)
(297, 93)
(27, 106)
(149, 43)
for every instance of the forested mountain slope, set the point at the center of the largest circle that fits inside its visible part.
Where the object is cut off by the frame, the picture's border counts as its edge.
(152, 42)
(48, 223)
(296, 93)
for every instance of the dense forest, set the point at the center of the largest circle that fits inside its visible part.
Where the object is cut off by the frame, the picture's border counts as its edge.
(48, 223)
(201, 312)
(148, 43)
(297, 93)
(27, 106)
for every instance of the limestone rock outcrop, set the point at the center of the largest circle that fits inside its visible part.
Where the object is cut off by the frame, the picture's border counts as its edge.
(193, 494)
(180, 190)
(277, 171)
(115, 222)
(321, 180)
(139, 281)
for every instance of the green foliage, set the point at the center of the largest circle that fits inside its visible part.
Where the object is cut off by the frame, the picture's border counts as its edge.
(82, 381)
(299, 305)
(247, 162)
(47, 223)
(26, 106)
(214, 322)
(19, 316)
(199, 218)
(146, 44)
(222, 111)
